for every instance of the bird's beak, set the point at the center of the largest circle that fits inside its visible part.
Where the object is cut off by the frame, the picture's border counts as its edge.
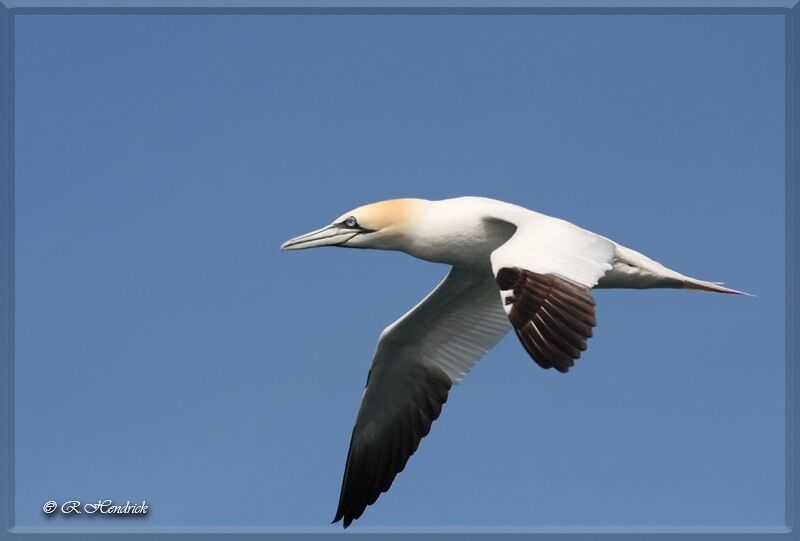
(330, 235)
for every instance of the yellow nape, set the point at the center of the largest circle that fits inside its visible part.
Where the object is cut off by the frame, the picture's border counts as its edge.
(383, 214)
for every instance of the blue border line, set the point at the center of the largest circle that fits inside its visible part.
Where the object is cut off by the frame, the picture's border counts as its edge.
(792, 168)
(215, 5)
(401, 11)
(7, 259)
(792, 97)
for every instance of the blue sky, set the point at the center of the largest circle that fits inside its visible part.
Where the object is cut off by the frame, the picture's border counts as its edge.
(166, 350)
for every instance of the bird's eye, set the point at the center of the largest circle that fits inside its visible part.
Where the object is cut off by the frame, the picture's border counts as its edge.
(351, 222)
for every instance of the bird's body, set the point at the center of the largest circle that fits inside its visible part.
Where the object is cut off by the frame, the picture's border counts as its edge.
(512, 268)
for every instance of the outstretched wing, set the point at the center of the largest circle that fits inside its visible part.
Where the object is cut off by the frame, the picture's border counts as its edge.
(545, 273)
(418, 359)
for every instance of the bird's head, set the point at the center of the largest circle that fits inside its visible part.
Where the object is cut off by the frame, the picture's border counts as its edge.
(384, 225)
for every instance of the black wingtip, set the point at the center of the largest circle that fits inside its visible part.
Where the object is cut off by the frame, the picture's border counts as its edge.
(338, 517)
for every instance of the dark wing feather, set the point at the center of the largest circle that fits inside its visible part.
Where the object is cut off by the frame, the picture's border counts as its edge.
(399, 406)
(552, 315)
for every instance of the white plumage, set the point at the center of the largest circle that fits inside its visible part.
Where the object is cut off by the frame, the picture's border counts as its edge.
(512, 268)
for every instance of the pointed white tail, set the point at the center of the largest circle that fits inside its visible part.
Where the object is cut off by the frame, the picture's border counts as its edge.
(702, 285)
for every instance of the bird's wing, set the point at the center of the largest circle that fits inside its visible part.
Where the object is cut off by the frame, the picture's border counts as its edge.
(418, 359)
(545, 272)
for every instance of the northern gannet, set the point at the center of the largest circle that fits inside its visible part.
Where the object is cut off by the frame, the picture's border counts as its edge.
(511, 268)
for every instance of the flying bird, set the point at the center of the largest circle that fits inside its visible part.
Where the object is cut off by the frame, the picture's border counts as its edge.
(512, 268)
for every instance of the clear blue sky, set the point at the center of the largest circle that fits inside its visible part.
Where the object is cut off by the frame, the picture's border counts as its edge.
(166, 350)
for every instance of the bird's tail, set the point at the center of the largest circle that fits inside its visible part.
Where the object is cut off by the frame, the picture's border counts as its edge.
(633, 269)
(716, 287)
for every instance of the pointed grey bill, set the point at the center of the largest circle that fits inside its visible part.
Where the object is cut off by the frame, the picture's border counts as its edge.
(330, 235)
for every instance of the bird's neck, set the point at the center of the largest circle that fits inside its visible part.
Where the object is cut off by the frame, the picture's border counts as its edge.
(456, 232)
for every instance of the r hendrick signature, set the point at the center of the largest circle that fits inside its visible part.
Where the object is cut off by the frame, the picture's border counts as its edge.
(100, 507)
